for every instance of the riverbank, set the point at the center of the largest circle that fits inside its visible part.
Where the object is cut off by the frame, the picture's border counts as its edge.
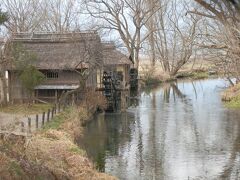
(231, 96)
(50, 153)
(151, 79)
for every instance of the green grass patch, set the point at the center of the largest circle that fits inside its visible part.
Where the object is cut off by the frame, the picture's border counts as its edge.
(152, 81)
(26, 108)
(234, 103)
(77, 150)
(58, 120)
(16, 169)
(199, 75)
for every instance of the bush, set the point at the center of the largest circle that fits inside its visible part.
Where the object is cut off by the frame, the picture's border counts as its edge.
(151, 81)
(94, 100)
(149, 77)
(31, 77)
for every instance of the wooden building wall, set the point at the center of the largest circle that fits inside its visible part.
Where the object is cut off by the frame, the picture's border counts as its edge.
(17, 93)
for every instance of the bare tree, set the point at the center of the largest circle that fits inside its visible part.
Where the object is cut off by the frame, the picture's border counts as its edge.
(151, 28)
(175, 36)
(223, 39)
(128, 18)
(61, 15)
(24, 15)
(43, 15)
(88, 54)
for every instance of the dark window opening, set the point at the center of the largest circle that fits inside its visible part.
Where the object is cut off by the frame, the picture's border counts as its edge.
(46, 93)
(51, 75)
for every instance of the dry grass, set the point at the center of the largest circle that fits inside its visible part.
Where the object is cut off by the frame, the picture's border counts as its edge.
(26, 109)
(56, 151)
(231, 92)
(93, 100)
(13, 162)
(9, 168)
(52, 150)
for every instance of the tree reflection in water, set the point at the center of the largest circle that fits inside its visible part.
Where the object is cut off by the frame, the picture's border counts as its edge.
(178, 131)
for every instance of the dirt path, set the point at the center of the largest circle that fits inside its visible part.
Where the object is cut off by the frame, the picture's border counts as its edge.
(7, 119)
(13, 123)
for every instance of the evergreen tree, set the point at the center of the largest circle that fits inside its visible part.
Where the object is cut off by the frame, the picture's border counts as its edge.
(3, 17)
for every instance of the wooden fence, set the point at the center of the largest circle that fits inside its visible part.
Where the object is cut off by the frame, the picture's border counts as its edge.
(35, 122)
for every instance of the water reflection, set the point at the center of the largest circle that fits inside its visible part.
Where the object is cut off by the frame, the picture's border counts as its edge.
(178, 131)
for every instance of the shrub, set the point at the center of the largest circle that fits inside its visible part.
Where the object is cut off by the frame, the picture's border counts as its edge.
(31, 77)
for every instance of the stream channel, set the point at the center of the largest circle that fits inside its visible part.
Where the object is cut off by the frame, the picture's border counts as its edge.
(178, 131)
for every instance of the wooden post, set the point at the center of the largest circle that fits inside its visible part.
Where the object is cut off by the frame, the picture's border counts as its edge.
(29, 122)
(52, 112)
(43, 118)
(59, 107)
(56, 96)
(55, 109)
(37, 121)
(48, 115)
(22, 126)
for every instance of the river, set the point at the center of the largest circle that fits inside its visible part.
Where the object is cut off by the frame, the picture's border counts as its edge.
(179, 131)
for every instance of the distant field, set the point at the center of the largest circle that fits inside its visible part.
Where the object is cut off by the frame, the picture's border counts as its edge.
(145, 65)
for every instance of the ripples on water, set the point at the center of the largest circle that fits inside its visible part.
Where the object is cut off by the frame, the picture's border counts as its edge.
(177, 132)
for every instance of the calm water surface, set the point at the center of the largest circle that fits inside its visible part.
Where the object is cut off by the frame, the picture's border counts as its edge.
(177, 131)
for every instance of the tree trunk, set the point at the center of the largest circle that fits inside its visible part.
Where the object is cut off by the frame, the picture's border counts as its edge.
(137, 59)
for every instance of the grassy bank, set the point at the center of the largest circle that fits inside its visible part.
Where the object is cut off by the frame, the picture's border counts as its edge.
(231, 97)
(26, 109)
(149, 78)
(195, 75)
(50, 153)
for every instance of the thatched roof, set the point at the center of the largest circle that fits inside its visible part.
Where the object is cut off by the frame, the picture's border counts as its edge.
(61, 50)
(112, 56)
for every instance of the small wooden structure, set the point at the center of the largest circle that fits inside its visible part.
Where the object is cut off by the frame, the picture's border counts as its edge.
(58, 56)
(115, 80)
(116, 63)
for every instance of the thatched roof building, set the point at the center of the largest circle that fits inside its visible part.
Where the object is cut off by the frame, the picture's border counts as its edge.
(59, 55)
(61, 51)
